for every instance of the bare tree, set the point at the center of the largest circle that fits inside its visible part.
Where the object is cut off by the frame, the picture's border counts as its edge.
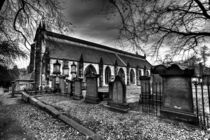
(9, 51)
(20, 18)
(180, 25)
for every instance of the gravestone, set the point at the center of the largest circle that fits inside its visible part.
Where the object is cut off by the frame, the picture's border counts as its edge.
(62, 84)
(92, 89)
(145, 95)
(177, 93)
(117, 94)
(13, 88)
(52, 79)
(69, 87)
(77, 89)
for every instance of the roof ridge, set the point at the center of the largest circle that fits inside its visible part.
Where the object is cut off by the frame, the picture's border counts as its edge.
(69, 38)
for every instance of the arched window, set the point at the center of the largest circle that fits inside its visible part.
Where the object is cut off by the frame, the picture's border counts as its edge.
(90, 70)
(121, 74)
(132, 76)
(107, 75)
(147, 72)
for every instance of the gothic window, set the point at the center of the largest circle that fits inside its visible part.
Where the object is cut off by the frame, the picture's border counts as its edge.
(147, 73)
(90, 70)
(132, 76)
(107, 75)
(121, 74)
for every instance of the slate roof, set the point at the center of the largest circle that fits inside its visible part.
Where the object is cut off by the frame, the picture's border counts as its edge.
(73, 52)
(134, 62)
(71, 49)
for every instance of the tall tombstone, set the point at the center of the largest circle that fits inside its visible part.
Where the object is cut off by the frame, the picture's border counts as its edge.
(117, 92)
(13, 88)
(77, 89)
(177, 93)
(62, 84)
(52, 79)
(92, 89)
(145, 89)
(69, 87)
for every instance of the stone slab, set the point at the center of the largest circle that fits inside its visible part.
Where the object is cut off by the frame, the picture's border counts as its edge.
(90, 99)
(77, 97)
(33, 100)
(91, 135)
(117, 109)
(178, 94)
(180, 116)
(25, 97)
(52, 110)
(76, 125)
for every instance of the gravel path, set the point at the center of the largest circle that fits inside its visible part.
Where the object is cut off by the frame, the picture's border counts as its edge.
(29, 122)
(130, 126)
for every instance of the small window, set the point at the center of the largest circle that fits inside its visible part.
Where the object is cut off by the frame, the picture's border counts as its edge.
(107, 75)
(121, 74)
(132, 76)
(147, 72)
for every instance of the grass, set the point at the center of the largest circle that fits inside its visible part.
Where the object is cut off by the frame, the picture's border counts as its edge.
(130, 126)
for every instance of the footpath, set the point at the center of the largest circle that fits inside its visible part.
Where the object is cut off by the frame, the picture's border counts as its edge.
(10, 129)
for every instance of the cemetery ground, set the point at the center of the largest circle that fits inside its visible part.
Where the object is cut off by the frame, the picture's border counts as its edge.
(20, 121)
(112, 125)
(24, 121)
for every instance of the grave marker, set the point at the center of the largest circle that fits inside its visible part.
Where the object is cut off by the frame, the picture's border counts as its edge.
(177, 93)
(92, 89)
(77, 89)
(117, 91)
(62, 84)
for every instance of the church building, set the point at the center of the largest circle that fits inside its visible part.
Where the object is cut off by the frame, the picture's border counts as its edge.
(55, 56)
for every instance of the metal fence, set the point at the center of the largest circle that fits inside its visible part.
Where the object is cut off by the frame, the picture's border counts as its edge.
(151, 100)
(201, 101)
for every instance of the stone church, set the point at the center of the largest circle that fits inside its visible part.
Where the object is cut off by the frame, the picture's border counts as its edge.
(56, 57)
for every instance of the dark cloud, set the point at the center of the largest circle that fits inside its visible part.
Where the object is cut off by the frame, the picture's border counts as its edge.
(92, 20)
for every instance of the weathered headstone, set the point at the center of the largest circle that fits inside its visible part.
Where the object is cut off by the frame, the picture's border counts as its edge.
(13, 88)
(177, 93)
(62, 84)
(92, 89)
(117, 91)
(69, 87)
(145, 89)
(77, 89)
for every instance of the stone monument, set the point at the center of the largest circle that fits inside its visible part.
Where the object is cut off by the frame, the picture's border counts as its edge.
(117, 92)
(92, 89)
(62, 84)
(77, 89)
(69, 87)
(145, 95)
(177, 93)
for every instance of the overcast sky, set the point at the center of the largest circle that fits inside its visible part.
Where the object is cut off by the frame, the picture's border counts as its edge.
(92, 20)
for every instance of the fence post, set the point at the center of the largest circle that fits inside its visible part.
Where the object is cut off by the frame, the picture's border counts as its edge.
(156, 98)
(208, 94)
(203, 104)
(196, 97)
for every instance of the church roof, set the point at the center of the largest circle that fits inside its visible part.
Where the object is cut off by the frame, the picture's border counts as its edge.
(63, 50)
(134, 62)
(65, 47)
